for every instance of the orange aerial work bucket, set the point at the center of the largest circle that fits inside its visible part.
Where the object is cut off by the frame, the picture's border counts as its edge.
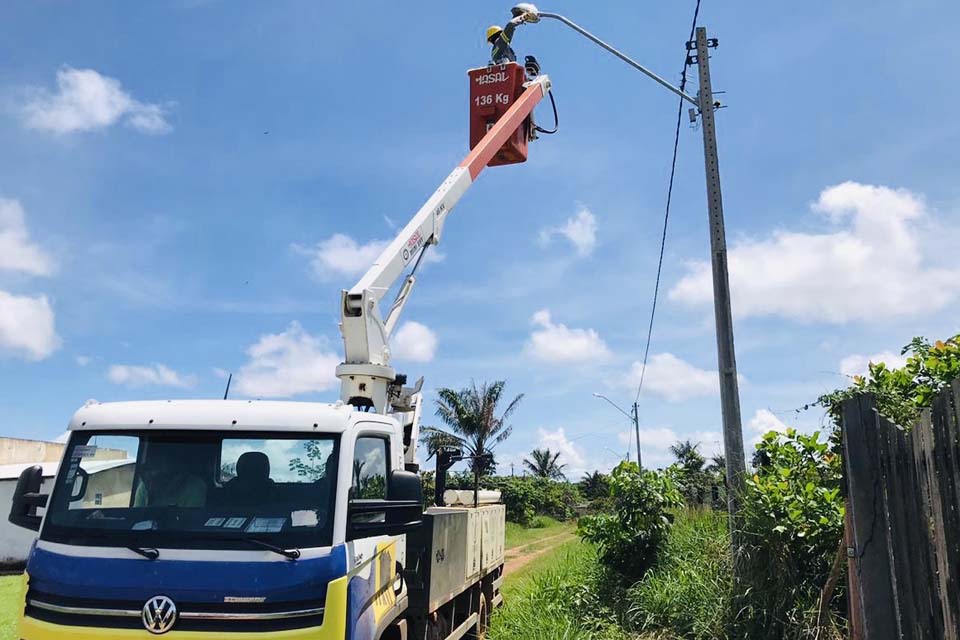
(493, 90)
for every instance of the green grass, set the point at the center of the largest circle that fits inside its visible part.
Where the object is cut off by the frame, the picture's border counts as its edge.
(549, 561)
(555, 598)
(566, 595)
(11, 599)
(518, 536)
(688, 591)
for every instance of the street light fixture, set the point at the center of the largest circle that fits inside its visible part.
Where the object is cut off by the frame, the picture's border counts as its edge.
(634, 418)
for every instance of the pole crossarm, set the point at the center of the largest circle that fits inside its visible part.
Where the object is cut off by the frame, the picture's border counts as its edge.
(633, 63)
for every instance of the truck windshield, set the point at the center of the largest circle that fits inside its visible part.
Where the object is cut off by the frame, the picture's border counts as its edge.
(194, 489)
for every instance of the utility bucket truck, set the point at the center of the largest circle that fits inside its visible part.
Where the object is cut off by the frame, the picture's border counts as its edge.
(226, 519)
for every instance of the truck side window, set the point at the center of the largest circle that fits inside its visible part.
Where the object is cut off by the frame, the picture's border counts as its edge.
(370, 466)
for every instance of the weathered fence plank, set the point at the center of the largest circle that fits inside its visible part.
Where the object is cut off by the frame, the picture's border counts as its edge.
(926, 568)
(945, 435)
(923, 560)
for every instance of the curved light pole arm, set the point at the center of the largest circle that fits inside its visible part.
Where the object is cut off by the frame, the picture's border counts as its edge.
(614, 405)
(633, 63)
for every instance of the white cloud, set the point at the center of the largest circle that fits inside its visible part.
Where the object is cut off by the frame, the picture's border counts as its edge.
(17, 251)
(653, 437)
(858, 365)
(557, 343)
(82, 361)
(570, 454)
(763, 421)
(27, 327)
(86, 101)
(288, 364)
(580, 230)
(341, 256)
(672, 378)
(414, 342)
(870, 267)
(152, 375)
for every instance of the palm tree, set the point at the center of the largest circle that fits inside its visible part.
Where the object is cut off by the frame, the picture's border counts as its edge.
(474, 426)
(544, 464)
(594, 485)
(718, 463)
(687, 456)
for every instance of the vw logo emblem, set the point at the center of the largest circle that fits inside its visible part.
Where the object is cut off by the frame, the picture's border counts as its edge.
(159, 614)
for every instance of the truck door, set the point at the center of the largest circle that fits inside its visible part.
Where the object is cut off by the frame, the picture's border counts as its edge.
(374, 601)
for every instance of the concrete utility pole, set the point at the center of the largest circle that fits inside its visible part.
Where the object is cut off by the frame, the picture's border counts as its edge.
(726, 357)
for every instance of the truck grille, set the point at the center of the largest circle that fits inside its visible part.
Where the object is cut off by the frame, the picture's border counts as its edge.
(210, 617)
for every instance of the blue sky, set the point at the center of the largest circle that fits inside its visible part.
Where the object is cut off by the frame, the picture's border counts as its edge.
(186, 186)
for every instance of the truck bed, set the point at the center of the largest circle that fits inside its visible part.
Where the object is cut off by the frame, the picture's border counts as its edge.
(454, 549)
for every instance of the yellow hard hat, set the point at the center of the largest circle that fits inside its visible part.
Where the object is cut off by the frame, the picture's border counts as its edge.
(493, 31)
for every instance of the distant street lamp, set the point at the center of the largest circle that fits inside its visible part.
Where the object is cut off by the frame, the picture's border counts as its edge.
(616, 453)
(634, 418)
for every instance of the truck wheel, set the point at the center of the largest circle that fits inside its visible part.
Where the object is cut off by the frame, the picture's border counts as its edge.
(479, 631)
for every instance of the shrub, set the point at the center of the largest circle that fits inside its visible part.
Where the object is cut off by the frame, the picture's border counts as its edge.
(529, 497)
(792, 523)
(628, 538)
(519, 498)
(901, 393)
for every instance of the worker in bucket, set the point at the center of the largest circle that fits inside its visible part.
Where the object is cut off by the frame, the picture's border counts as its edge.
(500, 38)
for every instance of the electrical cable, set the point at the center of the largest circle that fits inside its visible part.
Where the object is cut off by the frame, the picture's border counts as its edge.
(556, 119)
(666, 215)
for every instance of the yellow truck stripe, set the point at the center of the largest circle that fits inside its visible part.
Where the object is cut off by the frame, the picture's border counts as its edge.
(334, 626)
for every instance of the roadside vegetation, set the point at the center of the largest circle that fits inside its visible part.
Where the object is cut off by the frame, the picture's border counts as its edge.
(655, 561)
(11, 599)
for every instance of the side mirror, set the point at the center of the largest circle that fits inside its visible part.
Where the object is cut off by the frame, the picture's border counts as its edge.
(27, 499)
(400, 513)
(405, 485)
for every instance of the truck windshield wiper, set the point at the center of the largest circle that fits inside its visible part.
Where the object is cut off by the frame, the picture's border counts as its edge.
(290, 554)
(147, 552)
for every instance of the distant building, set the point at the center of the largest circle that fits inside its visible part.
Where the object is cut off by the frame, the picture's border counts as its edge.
(109, 471)
(17, 450)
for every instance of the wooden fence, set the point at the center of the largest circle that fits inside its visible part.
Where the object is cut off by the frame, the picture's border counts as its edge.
(903, 525)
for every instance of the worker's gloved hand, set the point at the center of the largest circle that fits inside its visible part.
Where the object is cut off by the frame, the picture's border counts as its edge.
(531, 17)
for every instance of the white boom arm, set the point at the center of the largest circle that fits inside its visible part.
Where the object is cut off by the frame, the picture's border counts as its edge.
(367, 380)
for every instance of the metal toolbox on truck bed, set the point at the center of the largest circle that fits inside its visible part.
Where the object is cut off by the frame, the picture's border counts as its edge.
(453, 549)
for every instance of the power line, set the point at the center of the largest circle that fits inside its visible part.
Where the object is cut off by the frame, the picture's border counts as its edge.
(666, 214)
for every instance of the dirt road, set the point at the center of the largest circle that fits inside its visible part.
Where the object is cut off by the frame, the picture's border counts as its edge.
(518, 557)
